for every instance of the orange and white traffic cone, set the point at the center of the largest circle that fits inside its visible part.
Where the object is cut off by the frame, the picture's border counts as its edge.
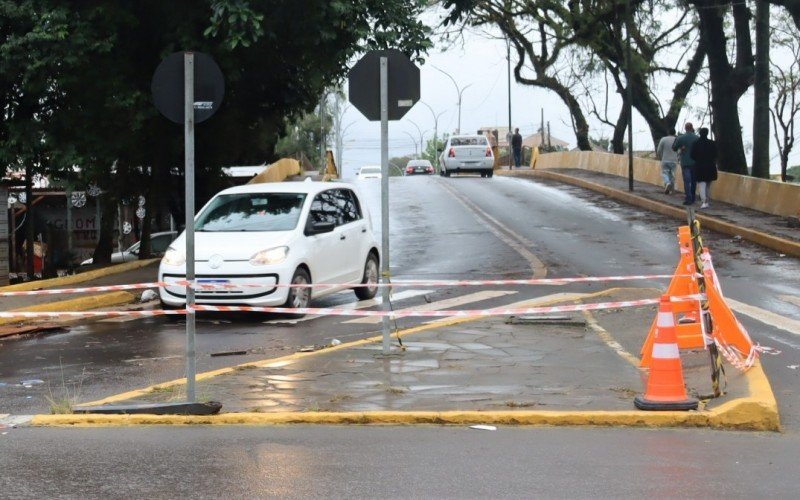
(665, 387)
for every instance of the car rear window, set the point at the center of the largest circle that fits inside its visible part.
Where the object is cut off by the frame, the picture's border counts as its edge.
(251, 212)
(371, 170)
(469, 141)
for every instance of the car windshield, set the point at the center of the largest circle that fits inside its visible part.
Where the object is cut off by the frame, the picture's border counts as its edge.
(371, 170)
(252, 212)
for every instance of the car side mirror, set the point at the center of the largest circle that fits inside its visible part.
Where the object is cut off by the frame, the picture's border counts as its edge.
(321, 227)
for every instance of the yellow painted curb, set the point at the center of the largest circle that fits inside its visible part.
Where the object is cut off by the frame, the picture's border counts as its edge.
(782, 245)
(77, 278)
(80, 304)
(756, 412)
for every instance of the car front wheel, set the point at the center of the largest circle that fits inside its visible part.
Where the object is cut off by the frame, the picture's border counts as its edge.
(370, 278)
(299, 297)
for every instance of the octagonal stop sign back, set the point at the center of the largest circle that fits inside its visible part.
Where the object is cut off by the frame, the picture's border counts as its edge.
(365, 84)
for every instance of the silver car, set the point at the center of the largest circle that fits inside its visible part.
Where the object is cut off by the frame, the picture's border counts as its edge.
(158, 245)
(467, 154)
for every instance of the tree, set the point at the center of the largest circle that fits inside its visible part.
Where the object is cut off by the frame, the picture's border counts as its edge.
(786, 82)
(277, 58)
(729, 81)
(564, 42)
(304, 135)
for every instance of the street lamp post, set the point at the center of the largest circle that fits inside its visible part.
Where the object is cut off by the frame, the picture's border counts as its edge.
(413, 141)
(459, 91)
(421, 143)
(435, 133)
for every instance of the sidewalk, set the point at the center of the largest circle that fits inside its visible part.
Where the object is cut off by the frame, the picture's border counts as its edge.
(771, 231)
(470, 371)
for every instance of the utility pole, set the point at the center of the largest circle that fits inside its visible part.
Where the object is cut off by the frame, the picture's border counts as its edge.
(508, 136)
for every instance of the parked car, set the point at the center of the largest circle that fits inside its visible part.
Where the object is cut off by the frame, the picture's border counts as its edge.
(369, 172)
(467, 154)
(273, 234)
(158, 245)
(423, 167)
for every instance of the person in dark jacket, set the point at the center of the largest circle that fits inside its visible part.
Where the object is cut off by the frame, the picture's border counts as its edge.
(704, 154)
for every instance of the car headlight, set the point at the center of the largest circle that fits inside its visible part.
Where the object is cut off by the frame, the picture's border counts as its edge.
(174, 257)
(270, 256)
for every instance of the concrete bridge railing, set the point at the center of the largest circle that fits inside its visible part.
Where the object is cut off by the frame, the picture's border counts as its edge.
(773, 197)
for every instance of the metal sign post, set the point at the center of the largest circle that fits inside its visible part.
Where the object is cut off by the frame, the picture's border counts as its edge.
(384, 67)
(180, 79)
(188, 139)
(381, 95)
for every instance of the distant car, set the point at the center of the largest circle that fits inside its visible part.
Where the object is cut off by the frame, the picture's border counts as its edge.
(423, 167)
(370, 172)
(272, 234)
(158, 245)
(467, 154)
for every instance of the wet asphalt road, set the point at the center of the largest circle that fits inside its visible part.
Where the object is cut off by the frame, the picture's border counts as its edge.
(462, 227)
(434, 234)
(395, 462)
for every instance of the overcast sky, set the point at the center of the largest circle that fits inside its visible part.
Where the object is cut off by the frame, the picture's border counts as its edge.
(481, 64)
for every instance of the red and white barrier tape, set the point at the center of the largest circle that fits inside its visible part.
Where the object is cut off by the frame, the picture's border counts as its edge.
(397, 283)
(89, 314)
(406, 313)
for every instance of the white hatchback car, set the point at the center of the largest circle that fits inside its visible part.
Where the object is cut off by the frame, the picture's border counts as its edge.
(276, 233)
(370, 172)
(467, 154)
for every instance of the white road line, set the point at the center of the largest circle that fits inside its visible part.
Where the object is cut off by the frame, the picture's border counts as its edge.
(516, 241)
(790, 299)
(767, 317)
(361, 304)
(444, 304)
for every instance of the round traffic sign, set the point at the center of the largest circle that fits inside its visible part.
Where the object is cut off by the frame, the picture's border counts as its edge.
(168, 87)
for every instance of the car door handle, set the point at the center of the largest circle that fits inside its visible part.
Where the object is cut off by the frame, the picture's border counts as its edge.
(363, 230)
(342, 237)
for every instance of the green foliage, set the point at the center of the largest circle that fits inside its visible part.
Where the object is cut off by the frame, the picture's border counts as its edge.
(75, 82)
(794, 173)
(432, 149)
(303, 136)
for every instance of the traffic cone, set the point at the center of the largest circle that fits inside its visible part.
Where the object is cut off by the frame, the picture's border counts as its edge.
(665, 387)
(689, 331)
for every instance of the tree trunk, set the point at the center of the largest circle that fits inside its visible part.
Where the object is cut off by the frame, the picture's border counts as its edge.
(618, 139)
(30, 220)
(105, 245)
(761, 87)
(725, 92)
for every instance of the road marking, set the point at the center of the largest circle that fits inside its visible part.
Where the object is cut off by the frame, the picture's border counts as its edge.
(790, 299)
(609, 340)
(442, 304)
(361, 304)
(519, 243)
(767, 317)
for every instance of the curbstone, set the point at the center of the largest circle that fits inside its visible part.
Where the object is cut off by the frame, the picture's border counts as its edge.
(77, 278)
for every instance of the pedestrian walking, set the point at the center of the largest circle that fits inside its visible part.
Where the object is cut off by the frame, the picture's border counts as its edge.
(683, 145)
(516, 146)
(492, 135)
(669, 160)
(704, 154)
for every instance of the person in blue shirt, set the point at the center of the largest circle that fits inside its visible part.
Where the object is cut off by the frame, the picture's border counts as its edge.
(683, 145)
